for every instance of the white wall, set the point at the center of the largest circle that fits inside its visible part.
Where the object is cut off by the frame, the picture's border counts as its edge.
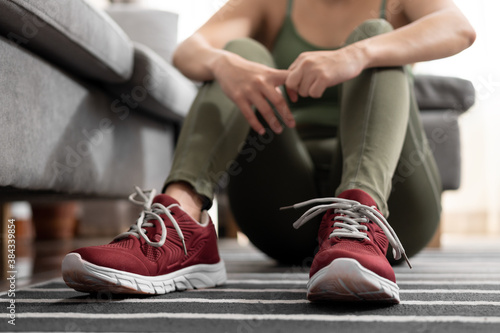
(475, 207)
(192, 13)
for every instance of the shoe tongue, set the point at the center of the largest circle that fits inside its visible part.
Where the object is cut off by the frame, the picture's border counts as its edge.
(165, 200)
(358, 195)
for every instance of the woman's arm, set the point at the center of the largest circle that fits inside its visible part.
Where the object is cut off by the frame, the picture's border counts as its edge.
(201, 57)
(438, 29)
(197, 56)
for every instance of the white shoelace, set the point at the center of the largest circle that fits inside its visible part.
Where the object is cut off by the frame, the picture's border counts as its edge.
(151, 212)
(352, 214)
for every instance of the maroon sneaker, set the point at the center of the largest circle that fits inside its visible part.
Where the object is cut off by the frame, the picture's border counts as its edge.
(351, 264)
(166, 250)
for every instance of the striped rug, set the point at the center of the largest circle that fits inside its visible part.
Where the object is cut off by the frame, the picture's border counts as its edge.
(447, 291)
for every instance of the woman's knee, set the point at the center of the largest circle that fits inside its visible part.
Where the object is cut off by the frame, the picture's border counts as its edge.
(250, 49)
(369, 28)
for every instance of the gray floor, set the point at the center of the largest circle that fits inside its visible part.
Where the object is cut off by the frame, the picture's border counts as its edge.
(451, 290)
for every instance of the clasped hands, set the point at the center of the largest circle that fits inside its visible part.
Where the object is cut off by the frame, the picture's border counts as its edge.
(250, 84)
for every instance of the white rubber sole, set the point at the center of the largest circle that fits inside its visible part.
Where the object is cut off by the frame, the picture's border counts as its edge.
(344, 279)
(86, 277)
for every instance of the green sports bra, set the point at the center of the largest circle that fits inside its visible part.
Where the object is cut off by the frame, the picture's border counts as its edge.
(324, 111)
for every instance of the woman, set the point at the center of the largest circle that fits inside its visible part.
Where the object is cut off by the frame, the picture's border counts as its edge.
(344, 119)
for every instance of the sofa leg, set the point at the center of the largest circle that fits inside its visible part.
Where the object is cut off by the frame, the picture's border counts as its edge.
(55, 220)
(5, 215)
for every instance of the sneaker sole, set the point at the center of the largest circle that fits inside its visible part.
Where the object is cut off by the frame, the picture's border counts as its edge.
(87, 277)
(344, 279)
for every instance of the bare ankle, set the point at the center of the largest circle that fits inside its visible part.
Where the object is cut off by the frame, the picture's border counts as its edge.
(188, 198)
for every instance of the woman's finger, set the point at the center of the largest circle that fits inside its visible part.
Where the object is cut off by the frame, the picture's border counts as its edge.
(292, 94)
(275, 97)
(246, 109)
(305, 85)
(293, 80)
(277, 77)
(317, 89)
(267, 112)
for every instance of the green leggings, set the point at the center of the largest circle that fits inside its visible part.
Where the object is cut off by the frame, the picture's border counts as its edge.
(379, 147)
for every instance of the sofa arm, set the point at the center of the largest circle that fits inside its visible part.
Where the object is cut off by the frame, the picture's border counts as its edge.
(443, 135)
(73, 35)
(443, 93)
(155, 86)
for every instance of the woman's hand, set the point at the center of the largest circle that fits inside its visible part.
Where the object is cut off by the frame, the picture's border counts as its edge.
(250, 84)
(312, 72)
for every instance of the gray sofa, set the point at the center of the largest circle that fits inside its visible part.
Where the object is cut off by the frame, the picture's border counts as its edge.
(88, 108)
(90, 104)
(441, 101)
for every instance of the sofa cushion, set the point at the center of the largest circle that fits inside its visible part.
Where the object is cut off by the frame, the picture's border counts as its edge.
(155, 86)
(71, 34)
(443, 93)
